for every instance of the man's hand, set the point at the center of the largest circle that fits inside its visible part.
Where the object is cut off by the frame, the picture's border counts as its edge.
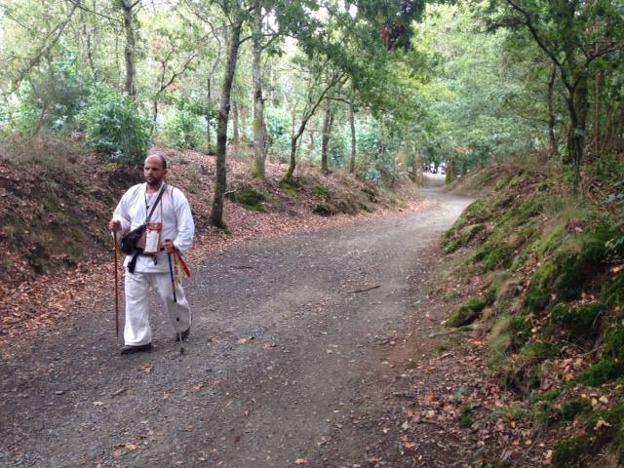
(169, 246)
(114, 226)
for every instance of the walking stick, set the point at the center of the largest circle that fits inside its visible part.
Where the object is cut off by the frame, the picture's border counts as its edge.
(175, 299)
(115, 249)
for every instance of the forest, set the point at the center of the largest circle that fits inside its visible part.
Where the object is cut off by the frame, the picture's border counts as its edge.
(347, 107)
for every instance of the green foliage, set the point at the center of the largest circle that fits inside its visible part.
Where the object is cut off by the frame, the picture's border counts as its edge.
(114, 126)
(278, 122)
(51, 100)
(184, 129)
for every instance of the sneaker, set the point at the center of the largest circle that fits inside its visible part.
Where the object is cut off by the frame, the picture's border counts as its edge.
(131, 349)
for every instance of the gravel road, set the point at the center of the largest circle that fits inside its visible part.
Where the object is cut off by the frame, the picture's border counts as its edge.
(282, 362)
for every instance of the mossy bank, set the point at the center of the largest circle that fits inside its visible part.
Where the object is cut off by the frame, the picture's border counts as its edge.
(550, 301)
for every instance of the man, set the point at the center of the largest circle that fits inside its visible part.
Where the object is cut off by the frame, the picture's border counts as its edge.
(170, 228)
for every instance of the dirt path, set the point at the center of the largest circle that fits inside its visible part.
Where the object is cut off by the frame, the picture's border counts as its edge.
(284, 364)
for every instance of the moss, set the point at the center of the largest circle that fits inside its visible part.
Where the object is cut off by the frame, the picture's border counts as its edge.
(251, 200)
(520, 331)
(549, 243)
(321, 191)
(457, 238)
(290, 188)
(568, 452)
(574, 408)
(468, 312)
(567, 272)
(538, 295)
(580, 322)
(600, 373)
(495, 254)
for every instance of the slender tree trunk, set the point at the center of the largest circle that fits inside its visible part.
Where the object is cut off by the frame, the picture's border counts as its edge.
(552, 121)
(577, 108)
(259, 128)
(216, 217)
(130, 47)
(208, 116)
(311, 145)
(235, 125)
(353, 139)
(598, 113)
(327, 127)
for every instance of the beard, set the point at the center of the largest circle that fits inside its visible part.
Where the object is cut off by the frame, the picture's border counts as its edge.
(154, 182)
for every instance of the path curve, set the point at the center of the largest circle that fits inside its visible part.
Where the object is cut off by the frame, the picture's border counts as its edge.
(281, 361)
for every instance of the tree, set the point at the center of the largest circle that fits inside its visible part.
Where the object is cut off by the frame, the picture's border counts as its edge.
(574, 36)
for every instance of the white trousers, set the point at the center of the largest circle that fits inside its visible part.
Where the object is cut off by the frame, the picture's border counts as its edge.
(137, 330)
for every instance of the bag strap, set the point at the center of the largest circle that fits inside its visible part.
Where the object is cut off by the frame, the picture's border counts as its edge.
(160, 194)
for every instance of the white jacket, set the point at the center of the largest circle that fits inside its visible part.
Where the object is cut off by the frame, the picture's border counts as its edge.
(173, 211)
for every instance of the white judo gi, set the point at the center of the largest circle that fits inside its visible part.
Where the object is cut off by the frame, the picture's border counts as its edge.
(174, 212)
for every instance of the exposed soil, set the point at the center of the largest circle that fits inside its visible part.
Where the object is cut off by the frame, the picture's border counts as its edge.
(291, 361)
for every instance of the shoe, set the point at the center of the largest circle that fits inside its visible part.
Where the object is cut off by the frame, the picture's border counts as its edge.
(184, 334)
(131, 349)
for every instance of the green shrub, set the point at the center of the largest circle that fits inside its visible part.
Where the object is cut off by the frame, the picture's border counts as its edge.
(184, 129)
(114, 126)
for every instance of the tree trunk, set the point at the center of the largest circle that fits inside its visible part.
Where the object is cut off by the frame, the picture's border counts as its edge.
(235, 125)
(130, 46)
(311, 145)
(552, 121)
(208, 116)
(577, 108)
(327, 127)
(259, 128)
(598, 113)
(216, 217)
(353, 140)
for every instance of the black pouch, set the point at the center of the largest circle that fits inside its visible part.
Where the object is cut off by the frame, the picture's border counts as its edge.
(129, 243)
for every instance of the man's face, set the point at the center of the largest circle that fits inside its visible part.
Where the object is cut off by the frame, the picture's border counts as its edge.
(153, 171)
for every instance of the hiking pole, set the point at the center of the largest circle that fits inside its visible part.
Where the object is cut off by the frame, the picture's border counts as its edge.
(175, 299)
(116, 285)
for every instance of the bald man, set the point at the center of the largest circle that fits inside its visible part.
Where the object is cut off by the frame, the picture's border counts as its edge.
(170, 227)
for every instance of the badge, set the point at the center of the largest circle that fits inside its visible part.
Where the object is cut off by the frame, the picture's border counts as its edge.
(152, 238)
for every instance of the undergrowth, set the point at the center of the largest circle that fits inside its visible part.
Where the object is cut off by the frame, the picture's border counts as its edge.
(561, 255)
